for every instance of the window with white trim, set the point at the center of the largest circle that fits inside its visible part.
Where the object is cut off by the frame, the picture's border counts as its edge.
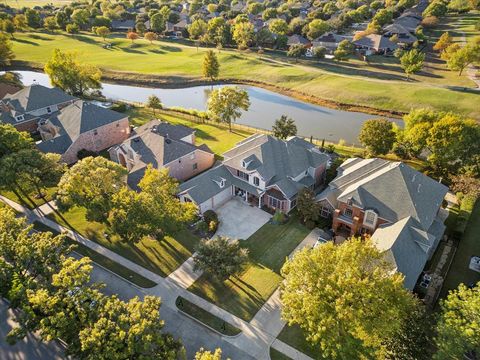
(256, 181)
(20, 118)
(348, 212)
(370, 218)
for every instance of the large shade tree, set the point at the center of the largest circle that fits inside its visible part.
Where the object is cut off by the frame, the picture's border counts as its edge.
(225, 104)
(284, 127)
(91, 183)
(378, 136)
(346, 298)
(72, 76)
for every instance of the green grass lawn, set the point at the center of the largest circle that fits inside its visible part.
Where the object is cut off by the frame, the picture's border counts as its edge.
(469, 246)
(349, 83)
(22, 200)
(277, 355)
(217, 138)
(18, 4)
(245, 294)
(101, 260)
(206, 318)
(295, 337)
(159, 256)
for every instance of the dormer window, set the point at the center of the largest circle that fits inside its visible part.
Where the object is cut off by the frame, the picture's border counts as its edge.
(350, 201)
(245, 164)
(222, 183)
(370, 218)
(19, 118)
(49, 110)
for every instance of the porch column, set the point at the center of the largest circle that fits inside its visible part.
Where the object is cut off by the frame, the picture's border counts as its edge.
(260, 201)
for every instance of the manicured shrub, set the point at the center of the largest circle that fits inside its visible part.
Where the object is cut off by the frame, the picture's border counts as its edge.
(209, 216)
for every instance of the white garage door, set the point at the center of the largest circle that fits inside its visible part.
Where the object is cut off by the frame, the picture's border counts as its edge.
(221, 198)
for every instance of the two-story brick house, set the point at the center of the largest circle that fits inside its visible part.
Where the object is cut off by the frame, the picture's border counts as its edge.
(82, 126)
(399, 206)
(263, 171)
(27, 106)
(164, 146)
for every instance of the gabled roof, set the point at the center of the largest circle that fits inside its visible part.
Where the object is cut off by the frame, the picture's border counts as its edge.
(75, 119)
(376, 42)
(277, 161)
(297, 39)
(35, 97)
(159, 144)
(408, 22)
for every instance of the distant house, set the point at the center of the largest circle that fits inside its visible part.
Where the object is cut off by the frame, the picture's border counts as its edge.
(26, 107)
(404, 36)
(399, 206)
(164, 146)
(329, 41)
(408, 22)
(298, 40)
(122, 25)
(375, 44)
(263, 171)
(81, 126)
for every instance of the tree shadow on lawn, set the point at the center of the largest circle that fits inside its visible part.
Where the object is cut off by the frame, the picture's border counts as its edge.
(170, 48)
(39, 37)
(356, 70)
(131, 50)
(86, 39)
(156, 51)
(201, 134)
(23, 41)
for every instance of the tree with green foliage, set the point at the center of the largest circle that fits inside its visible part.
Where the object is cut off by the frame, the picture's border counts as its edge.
(20, 22)
(319, 52)
(317, 28)
(8, 27)
(158, 23)
(140, 28)
(458, 327)
(278, 26)
(296, 51)
(61, 19)
(211, 66)
(347, 298)
(458, 58)
(50, 23)
(105, 178)
(378, 136)
(208, 355)
(220, 256)
(444, 41)
(412, 62)
(72, 29)
(308, 208)
(72, 76)
(33, 18)
(154, 103)
(80, 17)
(284, 127)
(6, 52)
(102, 31)
(344, 49)
(437, 8)
(243, 34)
(225, 104)
(383, 17)
(218, 31)
(197, 29)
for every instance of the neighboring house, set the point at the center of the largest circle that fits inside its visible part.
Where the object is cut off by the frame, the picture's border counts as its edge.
(123, 25)
(329, 41)
(263, 171)
(408, 22)
(399, 206)
(298, 40)
(82, 126)
(375, 44)
(26, 107)
(404, 36)
(8, 89)
(164, 146)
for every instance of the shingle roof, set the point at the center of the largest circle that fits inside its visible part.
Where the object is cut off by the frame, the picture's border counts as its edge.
(36, 97)
(74, 120)
(376, 42)
(276, 161)
(297, 39)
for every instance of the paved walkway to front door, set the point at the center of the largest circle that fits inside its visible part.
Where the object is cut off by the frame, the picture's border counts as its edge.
(239, 220)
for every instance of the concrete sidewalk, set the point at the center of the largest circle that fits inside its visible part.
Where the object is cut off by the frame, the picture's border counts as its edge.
(257, 336)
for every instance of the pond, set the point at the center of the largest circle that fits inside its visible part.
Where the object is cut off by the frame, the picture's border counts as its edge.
(266, 106)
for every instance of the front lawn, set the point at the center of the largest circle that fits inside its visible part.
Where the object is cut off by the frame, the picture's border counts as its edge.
(244, 295)
(468, 246)
(295, 337)
(159, 256)
(23, 201)
(217, 138)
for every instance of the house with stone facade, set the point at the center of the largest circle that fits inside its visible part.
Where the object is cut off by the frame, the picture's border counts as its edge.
(164, 146)
(81, 126)
(263, 171)
(399, 207)
(26, 107)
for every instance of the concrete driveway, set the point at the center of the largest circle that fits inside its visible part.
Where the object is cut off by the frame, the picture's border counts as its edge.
(239, 220)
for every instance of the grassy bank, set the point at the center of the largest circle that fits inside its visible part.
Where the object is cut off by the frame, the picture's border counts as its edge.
(101, 260)
(346, 83)
(244, 295)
